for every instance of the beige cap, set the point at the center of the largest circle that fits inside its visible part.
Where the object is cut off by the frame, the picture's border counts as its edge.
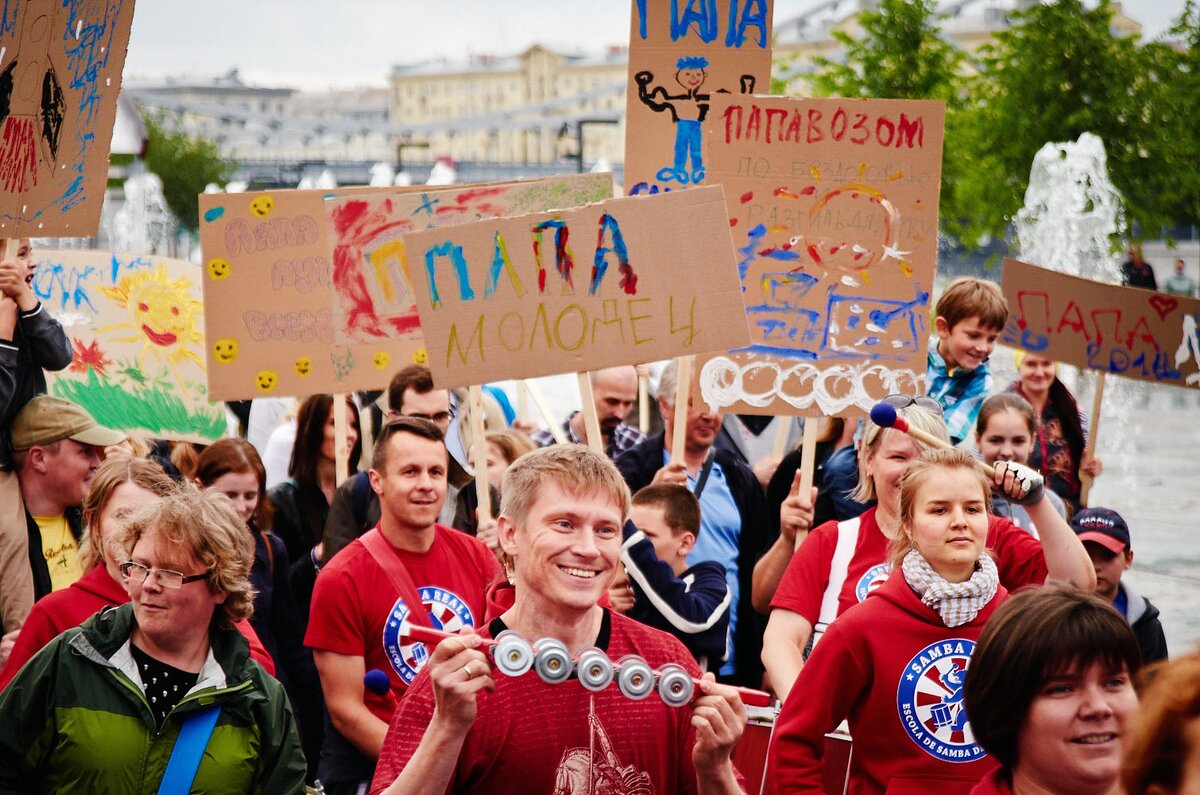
(46, 420)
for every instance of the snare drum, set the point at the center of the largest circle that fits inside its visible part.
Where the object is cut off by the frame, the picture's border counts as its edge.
(750, 754)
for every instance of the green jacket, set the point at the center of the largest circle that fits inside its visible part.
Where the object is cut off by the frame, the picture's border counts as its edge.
(75, 721)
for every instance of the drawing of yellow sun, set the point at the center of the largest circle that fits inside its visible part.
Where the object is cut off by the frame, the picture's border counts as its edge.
(162, 314)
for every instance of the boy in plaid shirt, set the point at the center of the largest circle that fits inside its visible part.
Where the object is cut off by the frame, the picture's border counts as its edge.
(970, 315)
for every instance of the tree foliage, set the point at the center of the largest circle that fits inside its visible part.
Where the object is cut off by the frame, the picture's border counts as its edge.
(186, 165)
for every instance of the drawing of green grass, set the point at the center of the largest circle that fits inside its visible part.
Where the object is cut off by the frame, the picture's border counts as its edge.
(141, 406)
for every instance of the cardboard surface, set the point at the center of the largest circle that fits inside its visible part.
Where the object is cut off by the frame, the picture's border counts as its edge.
(375, 313)
(623, 281)
(268, 295)
(833, 209)
(1125, 331)
(134, 324)
(60, 73)
(681, 56)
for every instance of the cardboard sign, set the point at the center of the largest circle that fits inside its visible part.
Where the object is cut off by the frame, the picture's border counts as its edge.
(681, 57)
(267, 295)
(134, 324)
(505, 299)
(60, 73)
(833, 208)
(375, 313)
(1125, 331)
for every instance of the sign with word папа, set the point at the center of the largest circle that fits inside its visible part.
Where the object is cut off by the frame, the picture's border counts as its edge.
(375, 312)
(622, 281)
(1125, 331)
(682, 56)
(134, 325)
(60, 73)
(833, 206)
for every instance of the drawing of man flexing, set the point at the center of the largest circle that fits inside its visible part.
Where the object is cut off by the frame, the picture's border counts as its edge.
(688, 111)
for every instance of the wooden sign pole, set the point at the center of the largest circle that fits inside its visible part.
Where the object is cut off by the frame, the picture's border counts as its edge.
(1085, 481)
(682, 389)
(341, 449)
(535, 395)
(591, 421)
(643, 400)
(479, 453)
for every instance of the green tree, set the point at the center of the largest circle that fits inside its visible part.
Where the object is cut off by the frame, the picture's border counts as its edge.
(900, 54)
(186, 165)
(1057, 72)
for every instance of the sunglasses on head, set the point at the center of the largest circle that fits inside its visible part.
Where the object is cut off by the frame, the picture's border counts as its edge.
(921, 401)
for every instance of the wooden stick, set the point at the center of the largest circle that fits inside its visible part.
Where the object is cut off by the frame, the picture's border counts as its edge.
(479, 453)
(1085, 481)
(366, 432)
(522, 401)
(643, 400)
(782, 431)
(591, 421)
(341, 450)
(682, 388)
(535, 395)
(808, 455)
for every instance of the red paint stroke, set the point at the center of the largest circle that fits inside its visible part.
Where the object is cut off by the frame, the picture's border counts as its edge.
(160, 338)
(1163, 305)
(809, 191)
(446, 209)
(468, 196)
(1024, 315)
(747, 196)
(89, 356)
(355, 226)
(18, 155)
(1075, 323)
(733, 222)
(784, 193)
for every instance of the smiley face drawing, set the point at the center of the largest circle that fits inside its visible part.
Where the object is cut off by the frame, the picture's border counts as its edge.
(266, 380)
(303, 366)
(219, 268)
(420, 356)
(380, 360)
(225, 350)
(261, 206)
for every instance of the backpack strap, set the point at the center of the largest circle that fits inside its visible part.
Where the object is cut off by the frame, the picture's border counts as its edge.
(847, 536)
(383, 554)
(189, 747)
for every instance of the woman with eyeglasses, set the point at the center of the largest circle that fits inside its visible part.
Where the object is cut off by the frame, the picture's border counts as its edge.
(121, 486)
(839, 563)
(159, 694)
(301, 503)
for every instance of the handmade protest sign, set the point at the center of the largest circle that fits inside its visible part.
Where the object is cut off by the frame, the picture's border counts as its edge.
(681, 56)
(833, 209)
(134, 324)
(504, 298)
(60, 73)
(1125, 331)
(375, 313)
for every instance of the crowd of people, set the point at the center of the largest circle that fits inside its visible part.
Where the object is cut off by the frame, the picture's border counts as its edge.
(948, 603)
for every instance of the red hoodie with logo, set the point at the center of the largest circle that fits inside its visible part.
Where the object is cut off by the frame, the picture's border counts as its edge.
(893, 669)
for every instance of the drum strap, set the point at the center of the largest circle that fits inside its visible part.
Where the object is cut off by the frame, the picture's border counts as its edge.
(847, 537)
(385, 556)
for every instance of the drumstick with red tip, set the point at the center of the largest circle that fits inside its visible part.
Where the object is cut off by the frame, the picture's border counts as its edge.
(885, 416)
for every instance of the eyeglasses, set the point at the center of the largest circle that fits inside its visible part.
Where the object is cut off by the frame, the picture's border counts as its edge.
(136, 572)
(921, 401)
(440, 417)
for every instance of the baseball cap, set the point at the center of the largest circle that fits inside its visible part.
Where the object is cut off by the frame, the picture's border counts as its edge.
(1103, 526)
(46, 420)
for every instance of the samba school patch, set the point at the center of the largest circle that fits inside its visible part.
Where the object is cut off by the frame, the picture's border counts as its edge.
(872, 579)
(446, 611)
(930, 701)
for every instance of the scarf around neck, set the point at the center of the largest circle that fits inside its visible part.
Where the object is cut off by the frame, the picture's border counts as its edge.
(957, 602)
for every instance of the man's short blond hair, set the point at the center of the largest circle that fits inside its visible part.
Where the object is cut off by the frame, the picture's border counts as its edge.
(205, 526)
(576, 469)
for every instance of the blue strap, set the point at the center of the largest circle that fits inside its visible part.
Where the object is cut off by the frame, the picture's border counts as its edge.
(189, 748)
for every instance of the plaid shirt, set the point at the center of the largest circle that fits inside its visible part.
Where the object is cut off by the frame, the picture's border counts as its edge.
(623, 438)
(961, 392)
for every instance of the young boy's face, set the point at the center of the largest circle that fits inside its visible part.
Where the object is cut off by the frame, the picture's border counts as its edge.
(668, 546)
(22, 254)
(1109, 567)
(968, 344)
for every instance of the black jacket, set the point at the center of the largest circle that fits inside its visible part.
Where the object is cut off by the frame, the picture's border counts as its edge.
(37, 558)
(638, 467)
(1143, 618)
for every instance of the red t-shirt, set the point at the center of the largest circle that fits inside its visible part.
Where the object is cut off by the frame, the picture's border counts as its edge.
(530, 736)
(1018, 557)
(357, 612)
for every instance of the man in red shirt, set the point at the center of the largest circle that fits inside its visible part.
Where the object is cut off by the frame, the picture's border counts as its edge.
(462, 728)
(407, 570)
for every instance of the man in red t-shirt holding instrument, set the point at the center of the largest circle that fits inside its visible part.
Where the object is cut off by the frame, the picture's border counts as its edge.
(464, 728)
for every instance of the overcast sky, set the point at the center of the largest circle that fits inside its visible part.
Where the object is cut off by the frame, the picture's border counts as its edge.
(317, 43)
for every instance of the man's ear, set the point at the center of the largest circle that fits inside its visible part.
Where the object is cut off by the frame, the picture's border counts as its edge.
(376, 480)
(37, 459)
(506, 532)
(941, 327)
(1128, 559)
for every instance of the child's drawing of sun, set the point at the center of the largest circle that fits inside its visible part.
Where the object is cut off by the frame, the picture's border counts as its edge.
(162, 315)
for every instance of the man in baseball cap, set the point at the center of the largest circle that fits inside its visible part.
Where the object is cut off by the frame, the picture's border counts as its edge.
(56, 448)
(1105, 536)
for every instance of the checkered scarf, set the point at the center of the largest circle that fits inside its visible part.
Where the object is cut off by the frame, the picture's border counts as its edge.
(957, 602)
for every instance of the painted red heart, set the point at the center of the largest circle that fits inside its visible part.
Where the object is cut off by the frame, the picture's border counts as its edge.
(1163, 305)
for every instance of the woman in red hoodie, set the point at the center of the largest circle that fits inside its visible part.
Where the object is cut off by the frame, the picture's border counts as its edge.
(894, 665)
(121, 486)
